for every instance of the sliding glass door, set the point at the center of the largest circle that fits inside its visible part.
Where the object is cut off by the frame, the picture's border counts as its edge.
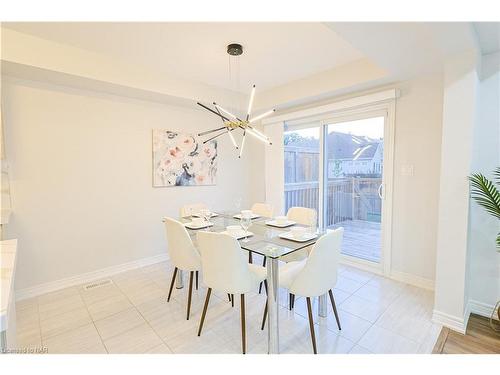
(353, 176)
(337, 167)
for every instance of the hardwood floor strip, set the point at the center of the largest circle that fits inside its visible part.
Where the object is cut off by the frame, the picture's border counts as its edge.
(441, 341)
(479, 339)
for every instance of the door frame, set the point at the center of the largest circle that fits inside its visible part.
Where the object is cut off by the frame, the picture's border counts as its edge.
(387, 110)
(381, 100)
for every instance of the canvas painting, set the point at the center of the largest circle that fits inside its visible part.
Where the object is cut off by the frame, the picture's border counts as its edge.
(181, 159)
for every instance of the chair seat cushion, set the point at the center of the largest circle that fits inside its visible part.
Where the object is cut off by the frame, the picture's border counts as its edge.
(259, 272)
(289, 272)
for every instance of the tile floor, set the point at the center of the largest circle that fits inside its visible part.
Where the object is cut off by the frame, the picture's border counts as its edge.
(131, 315)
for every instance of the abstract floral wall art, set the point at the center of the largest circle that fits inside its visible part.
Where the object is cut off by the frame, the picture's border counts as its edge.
(181, 159)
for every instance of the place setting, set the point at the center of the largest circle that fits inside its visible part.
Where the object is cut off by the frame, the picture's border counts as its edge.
(247, 213)
(201, 220)
(280, 222)
(299, 234)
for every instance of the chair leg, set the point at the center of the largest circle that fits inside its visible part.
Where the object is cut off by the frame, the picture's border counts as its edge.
(209, 291)
(172, 284)
(311, 324)
(263, 265)
(243, 330)
(250, 257)
(264, 318)
(290, 301)
(229, 297)
(293, 301)
(197, 280)
(190, 293)
(265, 309)
(332, 300)
(232, 300)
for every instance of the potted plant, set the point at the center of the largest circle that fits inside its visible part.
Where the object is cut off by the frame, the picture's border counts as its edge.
(487, 195)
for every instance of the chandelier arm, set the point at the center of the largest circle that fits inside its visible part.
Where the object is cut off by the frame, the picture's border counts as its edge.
(261, 116)
(215, 136)
(210, 131)
(211, 110)
(250, 103)
(221, 117)
(242, 143)
(218, 106)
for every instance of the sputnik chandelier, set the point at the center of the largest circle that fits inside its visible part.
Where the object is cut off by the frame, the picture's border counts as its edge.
(231, 122)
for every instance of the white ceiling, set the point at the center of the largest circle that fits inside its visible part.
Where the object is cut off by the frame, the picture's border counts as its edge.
(488, 34)
(408, 49)
(274, 53)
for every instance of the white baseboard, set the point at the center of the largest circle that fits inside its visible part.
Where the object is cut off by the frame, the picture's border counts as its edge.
(455, 323)
(414, 280)
(361, 264)
(480, 308)
(395, 275)
(52, 286)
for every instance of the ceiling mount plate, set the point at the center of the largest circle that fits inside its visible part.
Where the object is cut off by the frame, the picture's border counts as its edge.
(235, 49)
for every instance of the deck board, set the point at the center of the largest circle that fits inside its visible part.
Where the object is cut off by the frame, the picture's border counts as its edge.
(362, 239)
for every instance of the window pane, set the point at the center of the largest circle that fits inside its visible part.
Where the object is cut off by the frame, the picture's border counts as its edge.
(302, 167)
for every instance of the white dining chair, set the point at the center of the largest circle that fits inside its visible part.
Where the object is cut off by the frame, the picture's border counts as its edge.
(303, 216)
(225, 269)
(183, 255)
(193, 208)
(314, 276)
(262, 209)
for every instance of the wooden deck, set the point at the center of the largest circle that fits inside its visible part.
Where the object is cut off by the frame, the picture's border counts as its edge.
(361, 239)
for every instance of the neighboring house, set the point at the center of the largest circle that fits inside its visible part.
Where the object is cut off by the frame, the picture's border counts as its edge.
(348, 156)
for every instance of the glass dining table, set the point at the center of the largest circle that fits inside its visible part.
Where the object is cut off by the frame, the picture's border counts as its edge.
(265, 241)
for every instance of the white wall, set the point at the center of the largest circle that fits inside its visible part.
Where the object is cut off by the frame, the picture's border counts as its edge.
(81, 178)
(459, 111)
(417, 144)
(484, 268)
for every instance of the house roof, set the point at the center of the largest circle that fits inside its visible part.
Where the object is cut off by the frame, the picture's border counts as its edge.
(347, 146)
(339, 146)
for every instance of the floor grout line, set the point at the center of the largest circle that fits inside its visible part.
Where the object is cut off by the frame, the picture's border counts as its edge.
(147, 322)
(93, 323)
(39, 322)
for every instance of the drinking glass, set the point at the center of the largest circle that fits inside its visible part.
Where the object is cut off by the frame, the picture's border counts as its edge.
(312, 224)
(245, 223)
(190, 212)
(206, 215)
(237, 204)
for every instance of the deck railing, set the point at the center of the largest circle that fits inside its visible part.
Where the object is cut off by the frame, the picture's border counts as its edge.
(348, 198)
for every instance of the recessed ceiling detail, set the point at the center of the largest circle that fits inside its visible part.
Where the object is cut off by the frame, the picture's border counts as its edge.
(275, 53)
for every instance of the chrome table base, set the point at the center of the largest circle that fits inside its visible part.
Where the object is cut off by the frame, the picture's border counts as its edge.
(273, 307)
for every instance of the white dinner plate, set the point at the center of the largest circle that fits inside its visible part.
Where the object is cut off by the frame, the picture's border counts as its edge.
(254, 216)
(274, 223)
(240, 234)
(191, 225)
(306, 237)
(199, 215)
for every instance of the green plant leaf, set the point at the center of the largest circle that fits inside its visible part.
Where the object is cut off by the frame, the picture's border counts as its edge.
(496, 174)
(484, 192)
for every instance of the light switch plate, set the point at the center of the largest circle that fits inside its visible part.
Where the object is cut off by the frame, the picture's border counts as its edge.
(407, 170)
